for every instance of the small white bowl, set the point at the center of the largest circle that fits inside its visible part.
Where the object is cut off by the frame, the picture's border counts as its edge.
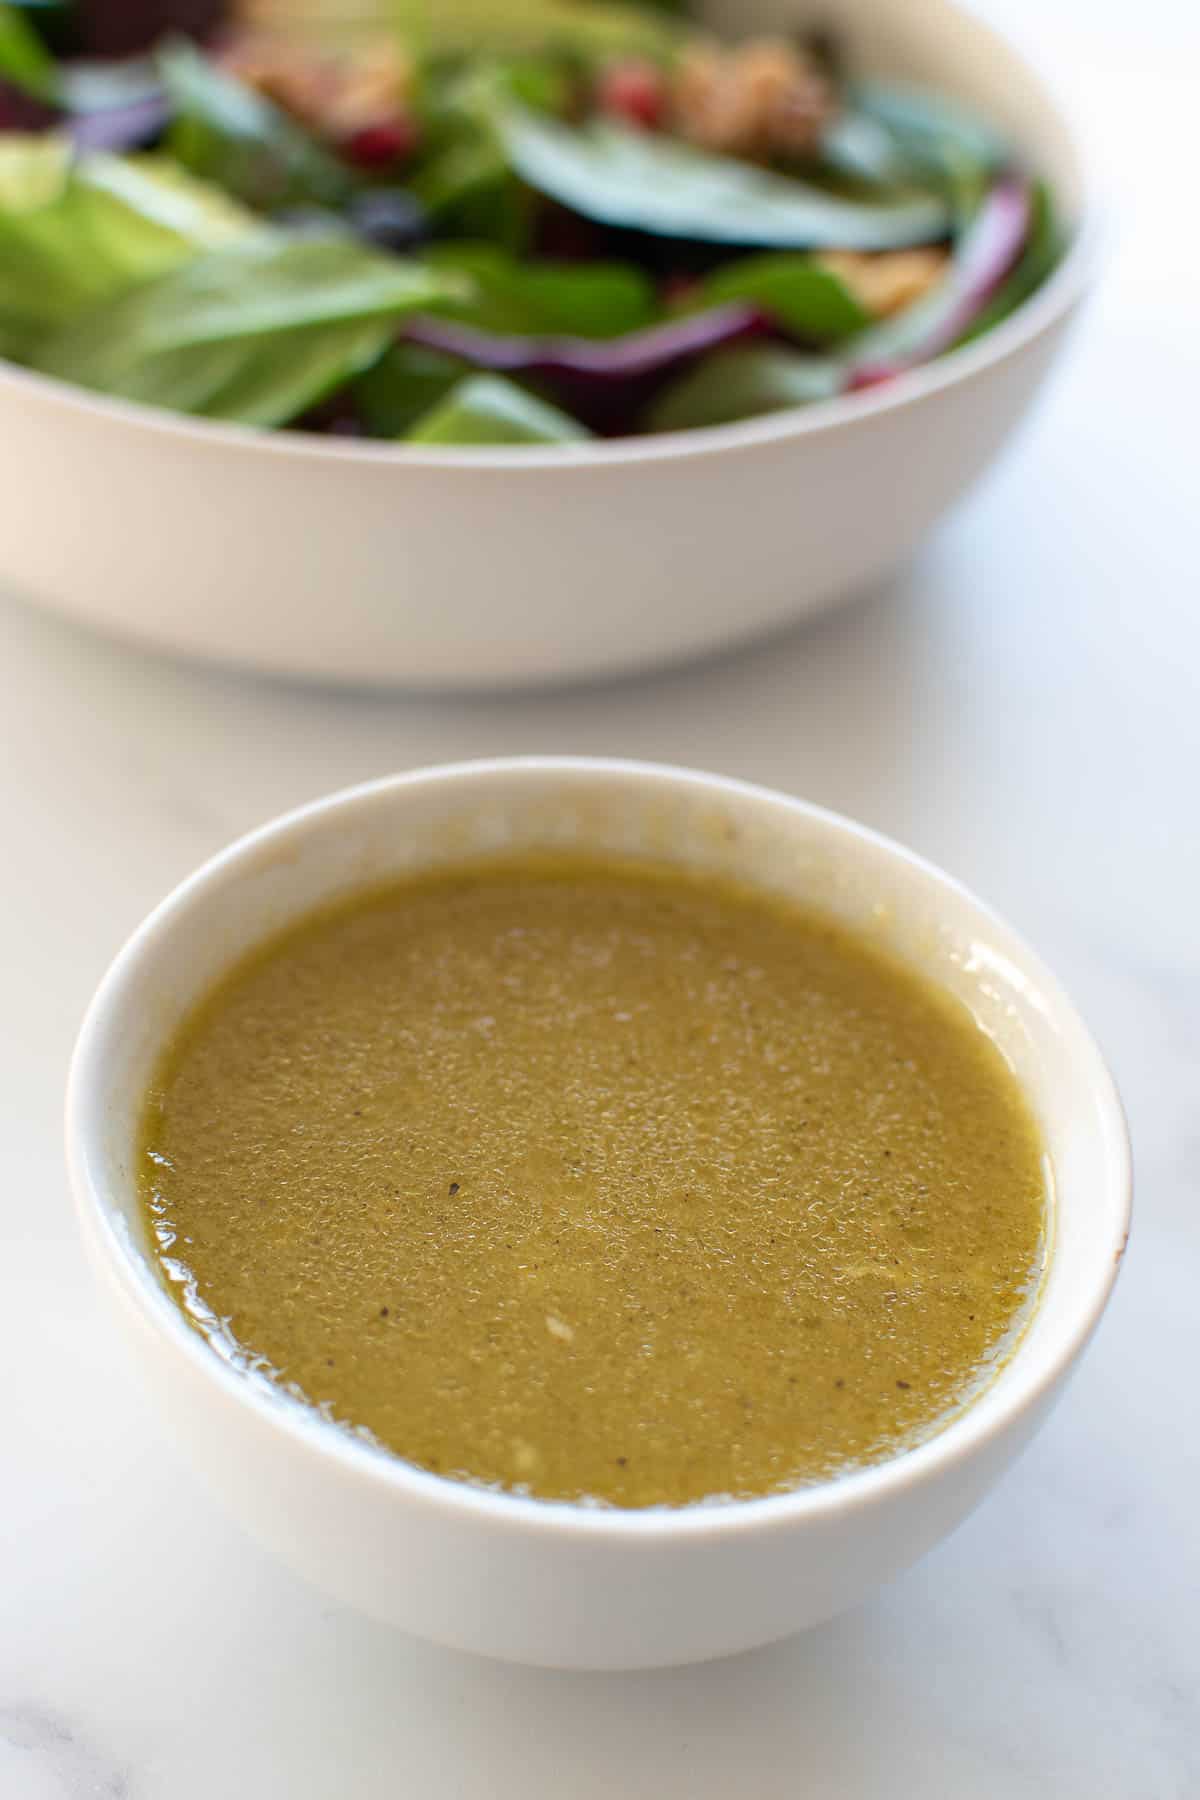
(478, 568)
(545, 1582)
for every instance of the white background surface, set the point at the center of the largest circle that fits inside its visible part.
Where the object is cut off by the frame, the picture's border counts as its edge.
(1023, 706)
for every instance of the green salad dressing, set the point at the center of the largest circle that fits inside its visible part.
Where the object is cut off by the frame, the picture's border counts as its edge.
(598, 1182)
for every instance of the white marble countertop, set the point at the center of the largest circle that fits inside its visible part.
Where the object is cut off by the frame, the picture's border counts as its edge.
(1022, 705)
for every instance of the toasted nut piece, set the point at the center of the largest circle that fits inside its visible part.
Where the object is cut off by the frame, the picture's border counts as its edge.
(887, 281)
(761, 99)
(334, 94)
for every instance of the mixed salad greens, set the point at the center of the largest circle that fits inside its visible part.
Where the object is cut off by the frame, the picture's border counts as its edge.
(489, 221)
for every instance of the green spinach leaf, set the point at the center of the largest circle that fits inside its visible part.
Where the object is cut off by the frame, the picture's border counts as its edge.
(75, 234)
(741, 384)
(810, 302)
(536, 299)
(227, 133)
(257, 332)
(625, 177)
(487, 409)
(266, 381)
(24, 59)
(407, 382)
(457, 172)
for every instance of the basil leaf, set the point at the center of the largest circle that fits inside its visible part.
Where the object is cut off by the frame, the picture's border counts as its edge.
(24, 59)
(593, 300)
(266, 381)
(486, 409)
(272, 283)
(798, 294)
(228, 133)
(72, 236)
(257, 332)
(276, 378)
(741, 384)
(157, 196)
(621, 176)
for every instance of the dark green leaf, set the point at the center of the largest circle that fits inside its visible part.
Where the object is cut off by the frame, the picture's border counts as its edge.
(227, 133)
(635, 179)
(741, 384)
(24, 59)
(810, 302)
(536, 299)
(258, 332)
(406, 382)
(463, 178)
(460, 171)
(486, 409)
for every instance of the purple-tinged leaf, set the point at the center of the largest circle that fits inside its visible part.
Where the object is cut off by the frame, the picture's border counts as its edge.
(604, 383)
(986, 254)
(120, 128)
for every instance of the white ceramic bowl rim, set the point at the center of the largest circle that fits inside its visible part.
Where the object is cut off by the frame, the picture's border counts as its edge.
(1055, 298)
(1016, 1386)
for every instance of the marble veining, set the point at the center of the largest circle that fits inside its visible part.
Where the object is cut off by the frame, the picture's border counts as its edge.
(43, 1757)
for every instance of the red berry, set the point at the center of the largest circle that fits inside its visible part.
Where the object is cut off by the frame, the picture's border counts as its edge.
(382, 143)
(634, 91)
